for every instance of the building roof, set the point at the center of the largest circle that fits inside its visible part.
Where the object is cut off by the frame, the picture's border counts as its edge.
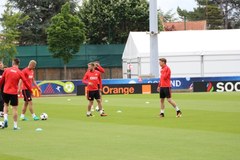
(190, 25)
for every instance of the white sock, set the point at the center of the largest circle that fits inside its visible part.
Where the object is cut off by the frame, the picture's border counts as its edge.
(5, 117)
(177, 109)
(162, 110)
(101, 111)
(22, 116)
(33, 115)
(88, 112)
(15, 124)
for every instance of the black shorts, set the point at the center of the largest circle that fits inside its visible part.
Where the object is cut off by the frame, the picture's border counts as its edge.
(165, 92)
(12, 98)
(93, 95)
(27, 95)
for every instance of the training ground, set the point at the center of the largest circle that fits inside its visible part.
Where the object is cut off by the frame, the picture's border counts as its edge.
(208, 130)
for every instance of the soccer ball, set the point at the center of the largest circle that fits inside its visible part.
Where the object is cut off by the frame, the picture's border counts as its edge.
(44, 116)
(1, 125)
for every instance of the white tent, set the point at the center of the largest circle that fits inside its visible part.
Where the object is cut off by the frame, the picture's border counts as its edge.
(189, 53)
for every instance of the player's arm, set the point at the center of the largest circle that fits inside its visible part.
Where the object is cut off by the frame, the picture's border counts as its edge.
(100, 68)
(159, 84)
(85, 79)
(35, 84)
(100, 81)
(20, 86)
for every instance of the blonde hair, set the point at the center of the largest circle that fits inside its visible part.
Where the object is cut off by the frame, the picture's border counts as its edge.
(32, 61)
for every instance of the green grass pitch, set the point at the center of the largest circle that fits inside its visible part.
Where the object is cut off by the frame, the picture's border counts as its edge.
(208, 130)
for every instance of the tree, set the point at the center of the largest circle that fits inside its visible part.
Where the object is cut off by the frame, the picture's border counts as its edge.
(40, 12)
(210, 13)
(218, 13)
(229, 10)
(109, 21)
(165, 17)
(64, 35)
(10, 34)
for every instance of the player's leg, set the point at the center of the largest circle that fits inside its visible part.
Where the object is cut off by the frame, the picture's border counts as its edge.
(15, 117)
(34, 116)
(5, 110)
(172, 102)
(101, 111)
(89, 113)
(90, 97)
(162, 98)
(162, 106)
(6, 99)
(24, 109)
(1, 105)
(14, 104)
(30, 104)
(25, 105)
(97, 96)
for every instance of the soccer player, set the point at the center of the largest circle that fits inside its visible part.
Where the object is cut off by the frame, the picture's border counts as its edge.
(1, 90)
(28, 72)
(92, 78)
(99, 68)
(10, 78)
(164, 87)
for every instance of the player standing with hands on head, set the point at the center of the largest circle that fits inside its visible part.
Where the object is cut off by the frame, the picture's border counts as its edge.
(92, 78)
(28, 72)
(10, 78)
(99, 68)
(164, 87)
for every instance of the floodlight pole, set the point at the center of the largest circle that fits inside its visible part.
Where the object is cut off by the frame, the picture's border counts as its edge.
(153, 26)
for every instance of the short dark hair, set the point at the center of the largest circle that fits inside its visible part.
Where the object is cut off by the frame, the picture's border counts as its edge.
(163, 60)
(16, 61)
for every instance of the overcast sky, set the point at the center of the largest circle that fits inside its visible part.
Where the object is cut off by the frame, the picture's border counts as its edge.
(165, 5)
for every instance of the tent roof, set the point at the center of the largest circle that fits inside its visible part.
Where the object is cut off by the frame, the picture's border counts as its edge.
(172, 43)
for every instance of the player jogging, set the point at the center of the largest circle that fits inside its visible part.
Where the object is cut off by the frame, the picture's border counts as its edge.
(164, 87)
(92, 78)
(10, 78)
(28, 72)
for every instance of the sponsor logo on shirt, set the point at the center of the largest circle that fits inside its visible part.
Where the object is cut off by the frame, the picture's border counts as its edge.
(93, 78)
(14, 71)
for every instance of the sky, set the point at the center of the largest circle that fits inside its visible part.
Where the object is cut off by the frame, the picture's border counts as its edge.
(164, 5)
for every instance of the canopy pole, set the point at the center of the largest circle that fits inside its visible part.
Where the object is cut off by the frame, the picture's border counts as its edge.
(153, 27)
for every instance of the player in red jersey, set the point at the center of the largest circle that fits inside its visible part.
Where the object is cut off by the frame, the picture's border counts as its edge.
(28, 72)
(164, 87)
(92, 79)
(99, 68)
(10, 78)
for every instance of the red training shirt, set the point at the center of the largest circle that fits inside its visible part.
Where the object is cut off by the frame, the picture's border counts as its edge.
(94, 77)
(29, 75)
(10, 78)
(100, 69)
(165, 77)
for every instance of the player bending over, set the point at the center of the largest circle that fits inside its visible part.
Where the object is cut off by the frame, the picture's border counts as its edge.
(164, 87)
(92, 78)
